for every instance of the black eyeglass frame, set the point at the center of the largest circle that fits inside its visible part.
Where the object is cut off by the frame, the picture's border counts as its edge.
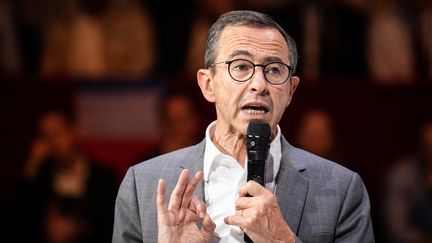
(253, 72)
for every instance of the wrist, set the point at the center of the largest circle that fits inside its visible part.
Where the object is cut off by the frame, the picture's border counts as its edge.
(286, 236)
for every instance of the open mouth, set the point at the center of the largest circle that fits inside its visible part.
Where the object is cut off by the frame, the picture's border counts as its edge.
(255, 109)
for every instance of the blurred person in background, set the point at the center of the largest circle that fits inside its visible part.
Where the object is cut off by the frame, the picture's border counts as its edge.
(29, 22)
(97, 39)
(422, 18)
(316, 134)
(206, 13)
(408, 194)
(10, 60)
(390, 51)
(73, 41)
(129, 40)
(180, 122)
(64, 196)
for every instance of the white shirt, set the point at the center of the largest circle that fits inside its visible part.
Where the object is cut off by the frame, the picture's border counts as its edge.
(223, 175)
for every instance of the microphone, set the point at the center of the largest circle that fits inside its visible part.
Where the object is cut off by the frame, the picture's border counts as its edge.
(258, 138)
(257, 144)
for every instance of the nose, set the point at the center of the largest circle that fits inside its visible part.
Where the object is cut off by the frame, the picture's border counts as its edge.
(258, 84)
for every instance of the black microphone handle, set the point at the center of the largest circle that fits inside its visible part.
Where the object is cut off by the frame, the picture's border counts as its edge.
(257, 145)
(256, 172)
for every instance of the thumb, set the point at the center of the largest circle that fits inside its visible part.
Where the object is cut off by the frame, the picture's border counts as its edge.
(208, 226)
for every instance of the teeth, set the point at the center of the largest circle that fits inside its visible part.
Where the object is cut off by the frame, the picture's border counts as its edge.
(255, 112)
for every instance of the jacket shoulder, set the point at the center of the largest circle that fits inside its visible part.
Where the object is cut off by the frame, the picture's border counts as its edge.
(170, 159)
(316, 167)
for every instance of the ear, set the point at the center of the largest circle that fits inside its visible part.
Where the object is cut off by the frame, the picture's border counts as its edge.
(294, 82)
(206, 82)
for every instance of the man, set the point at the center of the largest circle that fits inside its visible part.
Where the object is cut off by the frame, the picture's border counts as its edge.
(408, 195)
(71, 194)
(249, 65)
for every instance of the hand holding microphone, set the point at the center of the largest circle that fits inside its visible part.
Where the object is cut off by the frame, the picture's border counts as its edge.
(258, 138)
(258, 212)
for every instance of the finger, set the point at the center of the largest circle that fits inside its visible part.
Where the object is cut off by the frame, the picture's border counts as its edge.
(251, 188)
(234, 220)
(245, 202)
(198, 206)
(160, 198)
(193, 183)
(208, 226)
(177, 194)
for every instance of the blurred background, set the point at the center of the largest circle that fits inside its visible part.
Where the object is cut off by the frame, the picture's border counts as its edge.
(91, 87)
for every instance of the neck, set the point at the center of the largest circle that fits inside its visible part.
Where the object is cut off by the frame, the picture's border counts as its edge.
(229, 141)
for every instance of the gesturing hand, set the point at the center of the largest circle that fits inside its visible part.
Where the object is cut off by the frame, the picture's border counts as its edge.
(259, 215)
(177, 223)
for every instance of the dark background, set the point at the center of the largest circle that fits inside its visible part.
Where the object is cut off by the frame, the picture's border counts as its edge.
(376, 123)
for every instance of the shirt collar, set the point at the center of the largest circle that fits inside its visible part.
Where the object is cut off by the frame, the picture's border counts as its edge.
(211, 151)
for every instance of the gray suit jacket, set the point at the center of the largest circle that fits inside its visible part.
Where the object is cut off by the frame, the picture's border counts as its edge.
(321, 201)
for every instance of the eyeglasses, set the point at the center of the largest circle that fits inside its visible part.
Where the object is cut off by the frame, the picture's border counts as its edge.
(241, 70)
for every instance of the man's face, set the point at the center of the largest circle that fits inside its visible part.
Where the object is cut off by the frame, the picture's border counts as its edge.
(58, 133)
(237, 103)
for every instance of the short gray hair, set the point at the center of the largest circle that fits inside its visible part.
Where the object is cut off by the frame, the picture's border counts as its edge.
(247, 18)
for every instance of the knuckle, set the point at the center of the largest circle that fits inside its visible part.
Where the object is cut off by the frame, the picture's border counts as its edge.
(248, 222)
(259, 212)
(256, 215)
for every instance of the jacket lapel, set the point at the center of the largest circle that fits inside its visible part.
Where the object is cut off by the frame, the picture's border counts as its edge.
(194, 163)
(292, 186)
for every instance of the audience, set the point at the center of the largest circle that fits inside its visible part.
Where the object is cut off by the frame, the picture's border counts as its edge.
(204, 15)
(423, 18)
(129, 45)
(384, 40)
(10, 60)
(316, 134)
(100, 40)
(390, 51)
(408, 195)
(73, 41)
(179, 123)
(64, 195)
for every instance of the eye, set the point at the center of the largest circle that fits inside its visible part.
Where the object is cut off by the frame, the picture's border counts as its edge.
(276, 69)
(241, 66)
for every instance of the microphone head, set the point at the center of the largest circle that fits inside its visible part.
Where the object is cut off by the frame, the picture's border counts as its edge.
(258, 129)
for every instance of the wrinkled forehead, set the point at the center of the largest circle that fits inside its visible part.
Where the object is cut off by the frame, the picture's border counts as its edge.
(257, 43)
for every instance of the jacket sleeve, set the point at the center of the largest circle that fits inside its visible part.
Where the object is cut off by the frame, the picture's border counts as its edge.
(127, 225)
(354, 221)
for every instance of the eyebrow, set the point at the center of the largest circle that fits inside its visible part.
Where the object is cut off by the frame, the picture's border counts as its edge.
(273, 59)
(248, 54)
(239, 53)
